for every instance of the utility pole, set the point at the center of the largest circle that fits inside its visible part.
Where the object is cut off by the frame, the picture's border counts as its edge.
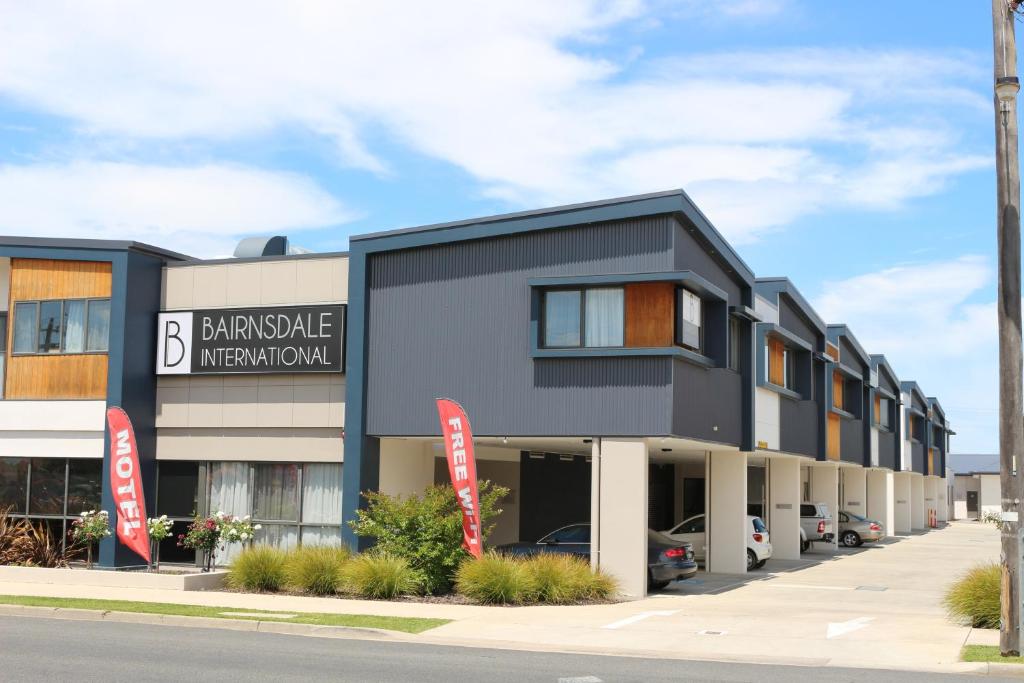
(1011, 365)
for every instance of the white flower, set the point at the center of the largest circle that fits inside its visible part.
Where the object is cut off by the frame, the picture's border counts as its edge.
(257, 527)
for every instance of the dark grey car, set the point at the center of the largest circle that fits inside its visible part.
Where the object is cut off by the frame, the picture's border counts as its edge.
(667, 560)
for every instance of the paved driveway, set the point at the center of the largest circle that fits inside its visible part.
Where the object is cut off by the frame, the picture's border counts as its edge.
(876, 606)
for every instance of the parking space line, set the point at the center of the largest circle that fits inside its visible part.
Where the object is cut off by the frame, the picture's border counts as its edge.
(639, 617)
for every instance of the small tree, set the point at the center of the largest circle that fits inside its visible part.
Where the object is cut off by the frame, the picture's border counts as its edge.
(205, 535)
(91, 527)
(159, 529)
(426, 530)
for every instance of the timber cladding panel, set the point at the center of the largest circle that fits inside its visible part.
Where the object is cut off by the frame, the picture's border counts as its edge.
(838, 390)
(56, 376)
(776, 362)
(650, 318)
(833, 436)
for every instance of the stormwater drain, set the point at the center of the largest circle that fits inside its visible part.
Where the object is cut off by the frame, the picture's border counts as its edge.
(711, 633)
(871, 588)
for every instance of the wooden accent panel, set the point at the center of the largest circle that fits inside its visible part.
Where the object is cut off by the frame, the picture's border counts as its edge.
(878, 408)
(931, 461)
(776, 362)
(57, 376)
(837, 389)
(832, 351)
(33, 279)
(832, 437)
(650, 314)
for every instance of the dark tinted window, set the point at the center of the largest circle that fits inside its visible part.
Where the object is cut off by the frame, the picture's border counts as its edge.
(25, 327)
(856, 517)
(99, 325)
(47, 488)
(579, 533)
(759, 526)
(85, 479)
(562, 318)
(808, 511)
(177, 484)
(49, 326)
(13, 480)
(691, 526)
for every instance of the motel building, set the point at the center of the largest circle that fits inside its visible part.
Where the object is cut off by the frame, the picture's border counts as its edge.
(620, 365)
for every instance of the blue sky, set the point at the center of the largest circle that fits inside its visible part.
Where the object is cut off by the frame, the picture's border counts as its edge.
(845, 145)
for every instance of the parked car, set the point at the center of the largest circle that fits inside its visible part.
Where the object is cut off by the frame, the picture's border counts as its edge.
(667, 560)
(854, 529)
(691, 530)
(815, 525)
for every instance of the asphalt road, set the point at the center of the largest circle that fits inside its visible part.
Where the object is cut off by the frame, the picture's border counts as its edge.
(34, 648)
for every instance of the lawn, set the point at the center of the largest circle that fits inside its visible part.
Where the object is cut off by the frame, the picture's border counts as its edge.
(987, 653)
(404, 624)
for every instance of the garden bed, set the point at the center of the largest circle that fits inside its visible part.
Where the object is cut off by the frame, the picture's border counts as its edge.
(71, 576)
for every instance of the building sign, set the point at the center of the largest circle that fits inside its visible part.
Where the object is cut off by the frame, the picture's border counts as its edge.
(252, 340)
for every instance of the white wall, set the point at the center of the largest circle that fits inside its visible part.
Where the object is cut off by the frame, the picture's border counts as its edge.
(988, 499)
(54, 429)
(619, 513)
(902, 489)
(406, 467)
(5, 282)
(726, 495)
(825, 489)
(881, 499)
(854, 490)
(917, 509)
(766, 421)
(784, 507)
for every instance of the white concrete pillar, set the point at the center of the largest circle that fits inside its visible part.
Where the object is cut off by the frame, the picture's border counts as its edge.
(903, 520)
(784, 507)
(619, 512)
(881, 499)
(943, 501)
(726, 502)
(855, 490)
(931, 498)
(406, 466)
(825, 489)
(917, 514)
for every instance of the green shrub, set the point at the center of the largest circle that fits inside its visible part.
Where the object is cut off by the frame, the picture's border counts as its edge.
(379, 575)
(496, 579)
(974, 598)
(258, 568)
(564, 579)
(425, 530)
(316, 569)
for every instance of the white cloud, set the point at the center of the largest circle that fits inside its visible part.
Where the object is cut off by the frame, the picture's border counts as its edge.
(517, 94)
(201, 210)
(936, 324)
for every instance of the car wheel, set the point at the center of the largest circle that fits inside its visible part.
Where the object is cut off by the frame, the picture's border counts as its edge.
(751, 560)
(851, 539)
(805, 546)
(761, 563)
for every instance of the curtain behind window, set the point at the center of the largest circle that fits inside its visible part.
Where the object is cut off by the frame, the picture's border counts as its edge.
(604, 317)
(229, 493)
(321, 494)
(74, 326)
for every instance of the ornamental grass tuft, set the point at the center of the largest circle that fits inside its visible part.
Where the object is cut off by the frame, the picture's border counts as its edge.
(565, 579)
(974, 598)
(379, 575)
(317, 570)
(258, 568)
(496, 579)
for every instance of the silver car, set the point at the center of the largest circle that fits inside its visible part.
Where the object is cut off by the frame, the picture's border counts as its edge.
(854, 530)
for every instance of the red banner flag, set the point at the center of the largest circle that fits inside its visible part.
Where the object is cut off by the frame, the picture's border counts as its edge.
(458, 445)
(126, 484)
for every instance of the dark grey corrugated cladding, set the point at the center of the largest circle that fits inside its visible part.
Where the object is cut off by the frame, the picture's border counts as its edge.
(855, 433)
(447, 310)
(888, 440)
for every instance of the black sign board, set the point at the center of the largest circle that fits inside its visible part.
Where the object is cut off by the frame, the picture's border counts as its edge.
(252, 340)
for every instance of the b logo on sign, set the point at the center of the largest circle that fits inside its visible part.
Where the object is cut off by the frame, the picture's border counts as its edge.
(174, 344)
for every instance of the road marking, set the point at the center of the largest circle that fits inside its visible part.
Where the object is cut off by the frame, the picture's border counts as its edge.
(580, 679)
(640, 617)
(842, 628)
(711, 633)
(258, 615)
(811, 585)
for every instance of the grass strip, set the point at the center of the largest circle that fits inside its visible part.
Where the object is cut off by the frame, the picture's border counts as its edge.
(987, 653)
(404, 624)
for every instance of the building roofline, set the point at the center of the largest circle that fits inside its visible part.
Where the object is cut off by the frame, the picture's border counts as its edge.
(92, 244)
(837, 330)
(912, 387)
(675, 202)
(257, 259)
(878, 360)
(783, 285)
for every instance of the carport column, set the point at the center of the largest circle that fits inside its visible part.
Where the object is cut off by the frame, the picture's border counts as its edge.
(784, 507)
(825, 489)
(618, 497)
(406, 467)
(726, 504)
(917, 518)
(855, 491)
(882, 499)
(931, 498)
(902, 521)
(942, 500)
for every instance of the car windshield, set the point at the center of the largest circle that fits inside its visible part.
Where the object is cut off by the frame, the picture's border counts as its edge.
(759, 526)
(856, 517)
(577, 533)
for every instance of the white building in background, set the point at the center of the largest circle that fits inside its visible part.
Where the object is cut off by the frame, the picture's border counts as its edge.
(975, 484)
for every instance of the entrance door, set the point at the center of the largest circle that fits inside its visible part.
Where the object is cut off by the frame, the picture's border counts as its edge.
(972, 504)
(693, 497)
(661, 481)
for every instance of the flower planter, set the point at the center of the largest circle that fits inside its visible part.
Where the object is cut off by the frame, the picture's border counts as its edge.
(113, 579)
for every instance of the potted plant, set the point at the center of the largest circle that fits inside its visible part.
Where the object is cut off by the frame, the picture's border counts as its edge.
(91, 527)
(205, 535)
(159, 529)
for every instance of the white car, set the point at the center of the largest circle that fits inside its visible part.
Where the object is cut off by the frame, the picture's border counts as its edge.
(759, 547)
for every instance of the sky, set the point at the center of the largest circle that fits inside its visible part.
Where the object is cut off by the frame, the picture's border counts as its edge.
(846, 145)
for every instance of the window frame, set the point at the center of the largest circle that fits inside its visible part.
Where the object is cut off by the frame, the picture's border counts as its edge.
(36, 304)
(582, 332)
(735, 358)
(678, 332)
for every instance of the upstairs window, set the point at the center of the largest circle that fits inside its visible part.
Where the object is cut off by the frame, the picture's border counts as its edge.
(689, 320)
(61, 326)
(734, 344)
(593, 317)
(883, 418)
